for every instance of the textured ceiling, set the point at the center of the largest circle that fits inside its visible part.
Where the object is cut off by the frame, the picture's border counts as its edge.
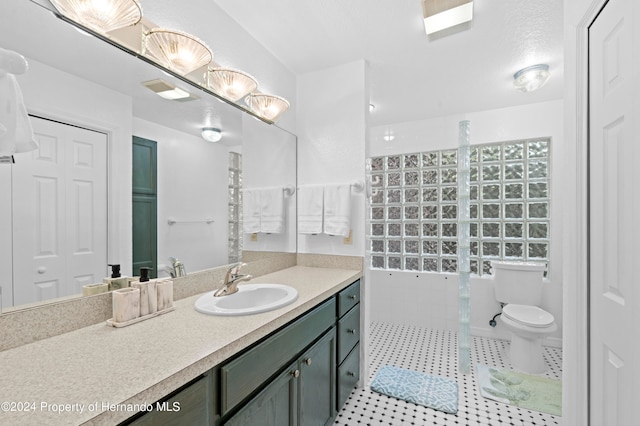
(414, 76)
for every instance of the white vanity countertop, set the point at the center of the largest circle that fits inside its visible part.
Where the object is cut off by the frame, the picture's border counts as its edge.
(96, 374)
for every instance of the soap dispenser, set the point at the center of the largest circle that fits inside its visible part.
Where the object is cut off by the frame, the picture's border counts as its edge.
(148, 292)
(116, 281)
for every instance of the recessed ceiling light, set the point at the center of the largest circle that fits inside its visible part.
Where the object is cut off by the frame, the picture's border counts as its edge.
(531, 78)
(211, 134)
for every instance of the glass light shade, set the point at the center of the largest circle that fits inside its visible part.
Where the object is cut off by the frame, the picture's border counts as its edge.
(101, 15)
(267, 106)
(176, 50)
(231, 84)
(531, 78)
(211, 134)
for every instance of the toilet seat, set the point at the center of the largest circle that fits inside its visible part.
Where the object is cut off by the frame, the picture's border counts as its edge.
(531, 316)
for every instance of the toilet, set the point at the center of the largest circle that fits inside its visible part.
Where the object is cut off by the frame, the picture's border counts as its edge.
(518, 287)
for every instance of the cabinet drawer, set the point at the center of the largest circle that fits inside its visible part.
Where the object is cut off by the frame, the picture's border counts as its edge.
(348, 376)
(348, 298)
(250, 370)
(348, 332)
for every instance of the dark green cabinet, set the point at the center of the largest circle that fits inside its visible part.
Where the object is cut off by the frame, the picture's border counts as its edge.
(348, 342)
(193, 404)
(275, 405)
(302, 394)
(317, 382)
(299, 375)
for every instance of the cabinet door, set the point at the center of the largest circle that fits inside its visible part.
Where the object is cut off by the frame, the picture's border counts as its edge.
(190, 406)
(317, 382)
(275, 405)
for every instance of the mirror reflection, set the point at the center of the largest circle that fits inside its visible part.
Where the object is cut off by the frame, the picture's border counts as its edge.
(122, 175)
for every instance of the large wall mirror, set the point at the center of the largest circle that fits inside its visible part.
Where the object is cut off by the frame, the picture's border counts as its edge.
(66, 209)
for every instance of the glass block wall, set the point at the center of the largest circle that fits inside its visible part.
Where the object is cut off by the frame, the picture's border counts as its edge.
(413, 207)
(235, 207)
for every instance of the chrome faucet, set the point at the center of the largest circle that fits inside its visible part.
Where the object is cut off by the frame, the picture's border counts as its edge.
(231, 280)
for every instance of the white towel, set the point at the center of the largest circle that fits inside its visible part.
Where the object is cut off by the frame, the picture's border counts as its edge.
(272, 210)
(250, 211)
(337, 210)
(310, 202)
(17, 134)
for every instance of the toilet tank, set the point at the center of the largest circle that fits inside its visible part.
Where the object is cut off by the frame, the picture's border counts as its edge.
(518, 282)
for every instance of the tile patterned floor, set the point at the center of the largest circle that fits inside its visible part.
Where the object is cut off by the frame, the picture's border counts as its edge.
(435, 352)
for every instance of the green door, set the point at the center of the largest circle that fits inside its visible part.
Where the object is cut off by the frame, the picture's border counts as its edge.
(317, 382)
(145, 206)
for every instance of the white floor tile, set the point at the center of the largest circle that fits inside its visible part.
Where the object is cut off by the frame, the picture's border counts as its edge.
(435, 352)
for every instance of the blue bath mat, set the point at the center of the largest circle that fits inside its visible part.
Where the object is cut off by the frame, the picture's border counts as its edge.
(434, 392)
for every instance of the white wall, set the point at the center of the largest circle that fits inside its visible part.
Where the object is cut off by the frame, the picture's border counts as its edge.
(434, 296)
(196, 193)
(331, 129)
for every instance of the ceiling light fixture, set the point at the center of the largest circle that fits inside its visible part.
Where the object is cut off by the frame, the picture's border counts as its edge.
(371, 107)
(211, 134)
(101, 16)
(442, 14)
(269, 107)
(176, 50)
(230, 84)
(531, 78)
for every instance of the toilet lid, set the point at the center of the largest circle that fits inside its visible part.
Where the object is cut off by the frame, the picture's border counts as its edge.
(528, 315)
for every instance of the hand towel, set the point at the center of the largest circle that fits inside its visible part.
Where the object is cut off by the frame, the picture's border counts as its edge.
(272, 210)
(17, 134)
(310, 202)
(337, 210)
(250, 211)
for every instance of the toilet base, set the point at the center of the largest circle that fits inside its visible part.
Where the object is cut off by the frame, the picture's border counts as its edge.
(525, 354)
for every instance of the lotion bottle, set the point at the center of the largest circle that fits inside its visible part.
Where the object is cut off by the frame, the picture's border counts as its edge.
(116, 281)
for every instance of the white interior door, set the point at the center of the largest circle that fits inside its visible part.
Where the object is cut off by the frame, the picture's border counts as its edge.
(614, 228)
(59, 213)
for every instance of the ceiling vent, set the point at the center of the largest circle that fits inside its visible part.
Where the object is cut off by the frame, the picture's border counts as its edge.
(169, 91)
(442, 14)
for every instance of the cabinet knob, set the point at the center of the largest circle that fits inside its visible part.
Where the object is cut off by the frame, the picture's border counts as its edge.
(353, 297)
(42, 269)
(351, 374)
(351, 331)
(307, 361)
(295, 373)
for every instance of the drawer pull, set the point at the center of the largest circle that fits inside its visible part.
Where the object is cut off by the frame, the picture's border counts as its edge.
(351, 331)
(351, 374)
(353, 297)
(307, 361)
(295, 373)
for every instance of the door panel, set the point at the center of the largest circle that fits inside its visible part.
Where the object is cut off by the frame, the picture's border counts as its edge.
(613, 211)
(145, 206)
(59, 212)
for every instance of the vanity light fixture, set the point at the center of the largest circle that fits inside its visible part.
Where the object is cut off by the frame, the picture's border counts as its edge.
(231, 84)
(211, 134)
(442, 14)
(101, 16)
(176, 50)
(266, 106)
(531, 78)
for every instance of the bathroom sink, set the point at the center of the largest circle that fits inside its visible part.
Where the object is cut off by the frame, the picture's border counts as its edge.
(249, 299)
